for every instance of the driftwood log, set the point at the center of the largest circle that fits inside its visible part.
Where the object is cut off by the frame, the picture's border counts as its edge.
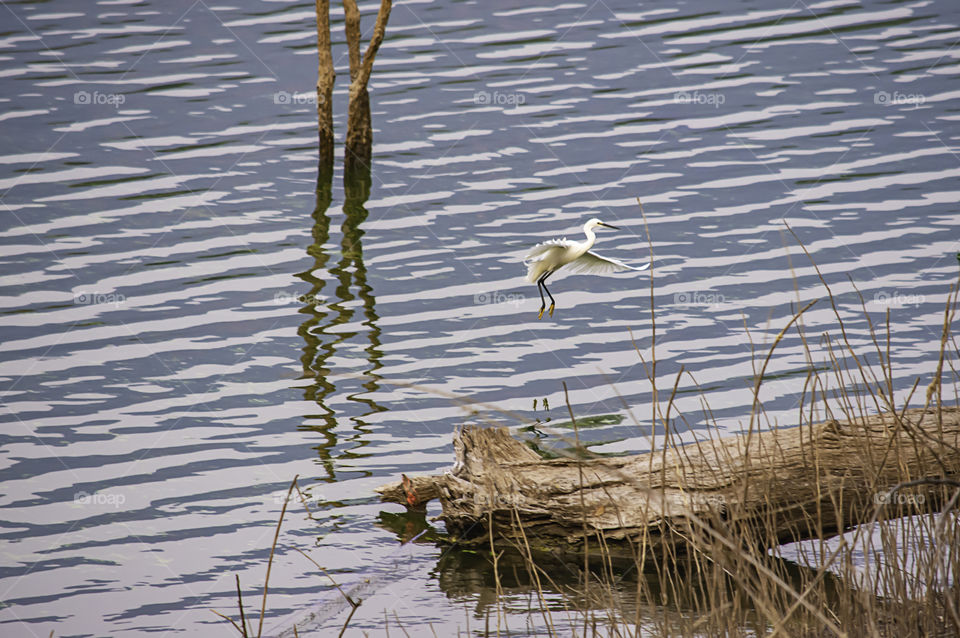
(777, 486)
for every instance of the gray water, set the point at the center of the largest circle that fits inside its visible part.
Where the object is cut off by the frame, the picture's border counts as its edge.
(188, 321)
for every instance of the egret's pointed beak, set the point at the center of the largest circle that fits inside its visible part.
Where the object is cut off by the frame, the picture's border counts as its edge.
(609, 226)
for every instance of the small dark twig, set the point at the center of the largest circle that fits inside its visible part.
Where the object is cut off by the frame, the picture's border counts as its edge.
(243, 618)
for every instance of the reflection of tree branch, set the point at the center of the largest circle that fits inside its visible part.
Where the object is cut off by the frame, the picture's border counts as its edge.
(320, 235)
(321, 387)
(357, 189)
(320, 337)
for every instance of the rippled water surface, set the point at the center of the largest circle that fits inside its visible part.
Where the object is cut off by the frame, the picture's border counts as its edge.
(189, 319)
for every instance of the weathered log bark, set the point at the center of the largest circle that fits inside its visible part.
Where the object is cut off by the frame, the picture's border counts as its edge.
(778, 486)
(359, 142)
(325, 79)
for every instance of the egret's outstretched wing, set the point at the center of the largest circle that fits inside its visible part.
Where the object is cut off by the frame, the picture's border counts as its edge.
(594, 264)
(540, 250)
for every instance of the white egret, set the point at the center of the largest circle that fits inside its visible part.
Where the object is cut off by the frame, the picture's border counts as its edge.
(548, 257)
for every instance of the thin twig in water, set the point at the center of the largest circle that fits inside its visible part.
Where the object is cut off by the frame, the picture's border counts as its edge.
(353, 603)
(231, 620)
(273, 549)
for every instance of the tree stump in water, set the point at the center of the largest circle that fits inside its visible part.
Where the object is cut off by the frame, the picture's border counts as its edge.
(325, 80)
(772, 487)
(359, 139)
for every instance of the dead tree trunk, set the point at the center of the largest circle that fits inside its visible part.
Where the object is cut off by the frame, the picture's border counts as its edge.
(359, 143)
(779, 486)
(325, 80)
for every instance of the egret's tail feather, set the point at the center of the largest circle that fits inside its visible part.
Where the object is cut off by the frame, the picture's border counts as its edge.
(534, 269)
(535, 261)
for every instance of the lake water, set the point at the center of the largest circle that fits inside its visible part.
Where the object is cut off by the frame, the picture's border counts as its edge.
(189, 322)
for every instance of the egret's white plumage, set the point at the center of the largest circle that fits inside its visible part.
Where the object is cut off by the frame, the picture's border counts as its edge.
(547, 257)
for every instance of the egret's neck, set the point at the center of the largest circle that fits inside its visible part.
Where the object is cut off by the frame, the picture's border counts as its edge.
(591, 237)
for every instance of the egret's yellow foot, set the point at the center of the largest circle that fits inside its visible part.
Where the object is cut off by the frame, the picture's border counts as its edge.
(540, 316)
(551, 310)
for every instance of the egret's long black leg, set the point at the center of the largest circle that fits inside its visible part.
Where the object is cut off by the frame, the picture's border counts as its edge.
(543, 303)
(543, 282)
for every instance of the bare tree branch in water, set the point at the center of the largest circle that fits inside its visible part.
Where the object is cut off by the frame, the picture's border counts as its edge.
(359, 126)
(359, 142)
(325, 79)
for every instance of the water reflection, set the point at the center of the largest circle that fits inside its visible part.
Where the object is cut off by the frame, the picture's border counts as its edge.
(357, 189)
(660, 594)
(321, 332)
